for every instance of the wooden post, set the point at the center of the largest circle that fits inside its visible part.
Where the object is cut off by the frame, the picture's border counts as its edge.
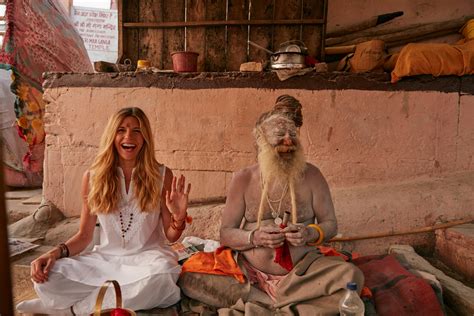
(323, 33)
(6, 297)
(120, 30)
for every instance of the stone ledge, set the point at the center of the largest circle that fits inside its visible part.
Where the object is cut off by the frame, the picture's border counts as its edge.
(454, 246)
(260, 80)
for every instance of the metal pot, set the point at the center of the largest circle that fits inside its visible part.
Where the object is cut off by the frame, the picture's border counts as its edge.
(291, 55)
(287, 60)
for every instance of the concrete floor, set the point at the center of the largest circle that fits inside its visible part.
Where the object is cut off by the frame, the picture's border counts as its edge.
(19, 204)
(22, 203)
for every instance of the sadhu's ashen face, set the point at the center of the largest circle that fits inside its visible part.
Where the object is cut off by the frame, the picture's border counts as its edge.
(282, 134)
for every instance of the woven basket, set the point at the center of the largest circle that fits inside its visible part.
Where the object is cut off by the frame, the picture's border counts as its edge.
(118, 301)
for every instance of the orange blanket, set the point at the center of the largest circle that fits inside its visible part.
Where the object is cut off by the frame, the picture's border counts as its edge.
(434, 59)
(219, 262)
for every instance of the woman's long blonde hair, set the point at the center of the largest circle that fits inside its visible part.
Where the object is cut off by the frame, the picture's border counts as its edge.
(104, 193)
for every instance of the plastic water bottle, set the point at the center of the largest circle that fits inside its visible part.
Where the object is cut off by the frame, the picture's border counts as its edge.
(351, 304)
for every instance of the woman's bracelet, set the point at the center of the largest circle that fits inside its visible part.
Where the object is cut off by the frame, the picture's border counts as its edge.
(187, 219)
(173, 225)
(178, 220)
(63, 250)
(321, 235)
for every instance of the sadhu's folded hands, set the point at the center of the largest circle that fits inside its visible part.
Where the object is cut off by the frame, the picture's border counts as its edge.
(270, 236)
(299, 235)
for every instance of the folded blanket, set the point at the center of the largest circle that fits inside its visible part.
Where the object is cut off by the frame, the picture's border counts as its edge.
(220, 262)
(437, 59)
(395, 290)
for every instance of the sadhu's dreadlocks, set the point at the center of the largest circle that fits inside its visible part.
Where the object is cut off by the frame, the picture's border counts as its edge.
(291, 107)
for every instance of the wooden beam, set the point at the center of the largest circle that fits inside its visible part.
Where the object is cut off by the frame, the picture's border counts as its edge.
(424, 37)
(367, 24)
(337, 50)
(392, 35)
(219, 23)
(404, 232)
(6, 307)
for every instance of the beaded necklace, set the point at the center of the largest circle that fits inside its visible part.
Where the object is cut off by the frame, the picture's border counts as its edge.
(124, 228)
(276, 214)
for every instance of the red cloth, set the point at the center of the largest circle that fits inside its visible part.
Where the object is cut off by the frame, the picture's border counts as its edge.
(283, 255)
(395, 290)
(219, 262)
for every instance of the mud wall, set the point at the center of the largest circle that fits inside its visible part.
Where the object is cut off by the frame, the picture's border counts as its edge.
(395, 156)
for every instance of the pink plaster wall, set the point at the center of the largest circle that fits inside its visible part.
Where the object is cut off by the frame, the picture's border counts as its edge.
(393, 159)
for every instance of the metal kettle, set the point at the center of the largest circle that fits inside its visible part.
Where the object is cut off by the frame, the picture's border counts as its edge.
(290, 55)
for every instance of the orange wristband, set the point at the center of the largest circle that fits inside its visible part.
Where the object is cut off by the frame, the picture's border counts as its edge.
(321, 235)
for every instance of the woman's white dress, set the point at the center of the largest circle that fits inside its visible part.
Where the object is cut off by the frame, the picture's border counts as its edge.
(137, 257)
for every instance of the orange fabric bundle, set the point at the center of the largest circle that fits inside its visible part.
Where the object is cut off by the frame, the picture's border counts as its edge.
(331, 252)
(368, 56)
(468, 30)
(219, 262)
(434, 59)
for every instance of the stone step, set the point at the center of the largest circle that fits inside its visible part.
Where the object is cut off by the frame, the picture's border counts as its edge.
(16, 210)
(455, 248)
(34, 200)
(22, 194)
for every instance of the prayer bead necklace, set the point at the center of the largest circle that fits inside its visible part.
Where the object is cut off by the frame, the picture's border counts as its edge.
(123, 228)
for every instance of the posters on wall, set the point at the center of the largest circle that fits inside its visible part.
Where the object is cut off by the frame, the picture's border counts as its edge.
(98, 28)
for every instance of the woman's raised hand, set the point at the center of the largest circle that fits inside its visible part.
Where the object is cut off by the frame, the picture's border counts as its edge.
(177, 199)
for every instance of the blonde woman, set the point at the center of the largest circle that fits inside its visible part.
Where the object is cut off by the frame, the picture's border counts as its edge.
(139, 205)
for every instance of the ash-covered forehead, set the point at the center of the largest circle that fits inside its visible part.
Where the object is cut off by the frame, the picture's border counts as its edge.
(275, 125)
(277, 121)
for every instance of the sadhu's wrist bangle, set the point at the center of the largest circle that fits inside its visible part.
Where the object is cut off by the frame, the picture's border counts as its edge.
(321, 235)
(251, 236)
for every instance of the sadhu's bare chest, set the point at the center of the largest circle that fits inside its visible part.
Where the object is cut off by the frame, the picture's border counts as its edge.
(278, 200)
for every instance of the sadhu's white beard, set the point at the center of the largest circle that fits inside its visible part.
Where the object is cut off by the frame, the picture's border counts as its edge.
(275, 168)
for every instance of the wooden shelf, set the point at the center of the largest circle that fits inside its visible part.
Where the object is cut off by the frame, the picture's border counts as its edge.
(219, 31)
(220, 23)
